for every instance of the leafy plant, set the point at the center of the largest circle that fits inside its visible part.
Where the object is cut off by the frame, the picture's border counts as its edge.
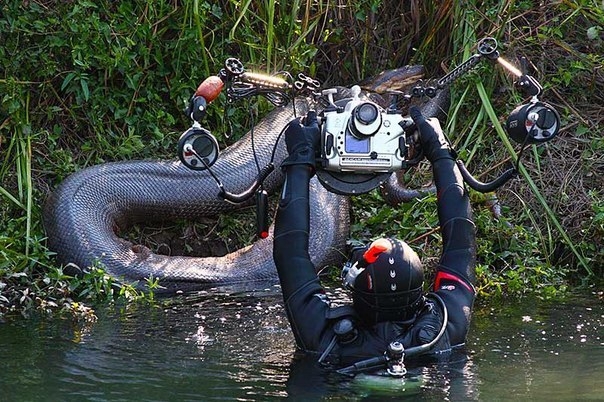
(85, 82)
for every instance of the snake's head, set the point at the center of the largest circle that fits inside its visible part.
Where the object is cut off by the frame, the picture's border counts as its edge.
(398, 79)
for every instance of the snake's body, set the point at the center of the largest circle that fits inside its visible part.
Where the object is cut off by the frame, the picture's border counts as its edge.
(87, 211)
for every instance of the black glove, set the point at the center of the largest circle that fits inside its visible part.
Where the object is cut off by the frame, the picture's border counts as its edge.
(431, 136)
(302, 141)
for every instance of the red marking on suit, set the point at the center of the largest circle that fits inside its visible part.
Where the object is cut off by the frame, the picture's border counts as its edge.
(446, 276)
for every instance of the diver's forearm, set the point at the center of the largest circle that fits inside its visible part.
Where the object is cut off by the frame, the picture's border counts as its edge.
(455, 217)
(292, 226)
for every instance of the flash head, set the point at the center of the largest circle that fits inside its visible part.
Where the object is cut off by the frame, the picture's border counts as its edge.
(197, 148)
(533, 123)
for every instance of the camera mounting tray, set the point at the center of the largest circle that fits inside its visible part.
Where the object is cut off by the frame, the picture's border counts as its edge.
(350, 183)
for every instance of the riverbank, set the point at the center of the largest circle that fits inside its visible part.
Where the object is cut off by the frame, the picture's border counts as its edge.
(85, 83)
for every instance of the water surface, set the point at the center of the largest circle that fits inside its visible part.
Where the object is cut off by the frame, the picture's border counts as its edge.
(217, 346)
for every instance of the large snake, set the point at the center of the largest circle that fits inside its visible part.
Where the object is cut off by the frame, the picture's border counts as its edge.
(84, 215)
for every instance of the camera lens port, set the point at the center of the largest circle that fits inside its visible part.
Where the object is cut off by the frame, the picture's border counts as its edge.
(366, 113)
(365, 120)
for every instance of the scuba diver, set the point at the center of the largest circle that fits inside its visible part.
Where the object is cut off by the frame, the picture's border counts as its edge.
(390, 315)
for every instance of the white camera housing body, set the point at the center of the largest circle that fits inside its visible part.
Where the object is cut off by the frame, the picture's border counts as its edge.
(362, 137)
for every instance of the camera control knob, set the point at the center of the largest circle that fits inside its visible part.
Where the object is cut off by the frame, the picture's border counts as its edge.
(330, 93)
(328, 144)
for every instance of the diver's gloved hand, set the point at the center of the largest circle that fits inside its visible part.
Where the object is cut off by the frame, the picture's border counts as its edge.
(434, 144)
(302, 141)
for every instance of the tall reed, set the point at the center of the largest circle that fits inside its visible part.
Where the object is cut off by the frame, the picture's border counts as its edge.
(464, 37)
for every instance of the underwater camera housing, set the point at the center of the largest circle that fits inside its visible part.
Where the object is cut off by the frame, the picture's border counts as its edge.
(362, 143)
(363, 137)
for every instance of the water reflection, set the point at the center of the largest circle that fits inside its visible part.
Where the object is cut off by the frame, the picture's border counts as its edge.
(215, 345)
(544, 350)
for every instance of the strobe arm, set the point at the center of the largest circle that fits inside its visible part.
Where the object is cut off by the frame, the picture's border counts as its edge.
(481, 186)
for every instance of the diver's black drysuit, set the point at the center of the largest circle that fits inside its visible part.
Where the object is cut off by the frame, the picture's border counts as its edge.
(310, 315)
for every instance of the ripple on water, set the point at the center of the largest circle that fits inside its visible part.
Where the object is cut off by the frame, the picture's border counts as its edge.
(211, 345)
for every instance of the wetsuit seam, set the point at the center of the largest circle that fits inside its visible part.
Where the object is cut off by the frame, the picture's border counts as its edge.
(300, 288)
(287, 232)
(459, 218)
(285, 204)
(452, 185)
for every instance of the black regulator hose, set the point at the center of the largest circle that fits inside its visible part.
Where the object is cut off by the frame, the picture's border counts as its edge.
(382, 361)
(371, 364)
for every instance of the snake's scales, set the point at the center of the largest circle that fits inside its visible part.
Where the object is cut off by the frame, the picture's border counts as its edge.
(84, 215)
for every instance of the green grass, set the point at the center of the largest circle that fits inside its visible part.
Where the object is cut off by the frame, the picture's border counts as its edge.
(83, 83)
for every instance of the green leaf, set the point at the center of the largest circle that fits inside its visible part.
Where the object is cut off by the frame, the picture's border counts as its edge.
(68, 78)
(85, 90)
